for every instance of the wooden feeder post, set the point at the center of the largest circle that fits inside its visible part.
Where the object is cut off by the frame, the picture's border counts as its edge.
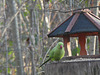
(66, 40)
(82, 41)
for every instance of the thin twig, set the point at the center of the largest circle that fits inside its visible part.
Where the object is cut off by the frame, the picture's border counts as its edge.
(80, 2)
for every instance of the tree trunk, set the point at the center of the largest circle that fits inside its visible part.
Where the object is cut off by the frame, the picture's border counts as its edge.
(32, 42)
(15, 37)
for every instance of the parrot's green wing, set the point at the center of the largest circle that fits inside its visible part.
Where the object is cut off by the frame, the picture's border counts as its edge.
(50, 57)
(51, 54)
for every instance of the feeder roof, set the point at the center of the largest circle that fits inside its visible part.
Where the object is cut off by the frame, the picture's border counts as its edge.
(82, 21)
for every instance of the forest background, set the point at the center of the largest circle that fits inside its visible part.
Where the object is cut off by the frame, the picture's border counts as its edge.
(24, 25)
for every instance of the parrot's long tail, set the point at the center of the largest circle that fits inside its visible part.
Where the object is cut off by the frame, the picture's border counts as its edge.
(45, 62)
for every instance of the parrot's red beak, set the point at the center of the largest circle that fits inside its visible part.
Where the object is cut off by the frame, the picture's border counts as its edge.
(61, 46)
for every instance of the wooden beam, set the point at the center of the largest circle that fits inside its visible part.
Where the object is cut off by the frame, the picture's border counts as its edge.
(66, 40)
(94, 15)
(71, 24)
(84, 33)
(92, 20)
(82, 41)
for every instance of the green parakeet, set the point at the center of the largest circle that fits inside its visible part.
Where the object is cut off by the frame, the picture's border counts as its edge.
(56, 53)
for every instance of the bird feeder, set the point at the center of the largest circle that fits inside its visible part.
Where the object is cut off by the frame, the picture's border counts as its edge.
(80, 24)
